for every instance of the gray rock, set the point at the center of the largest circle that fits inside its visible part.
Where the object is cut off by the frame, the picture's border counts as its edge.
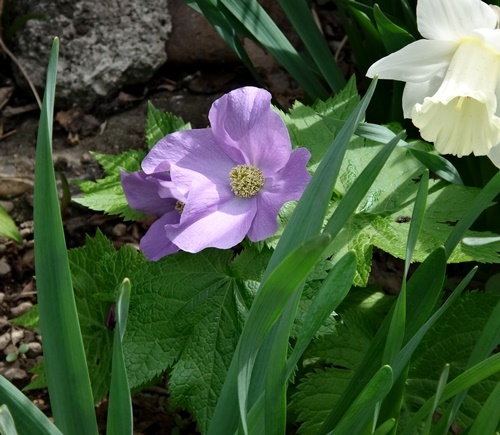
(103, 45)
(4, 340)
(34, 350)
(22, 308)
(4, 268)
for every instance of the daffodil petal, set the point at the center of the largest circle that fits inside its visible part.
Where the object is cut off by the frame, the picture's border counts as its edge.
(449, 20)
(494, 155)
(417, 62)
(460, 117)
(415, 93)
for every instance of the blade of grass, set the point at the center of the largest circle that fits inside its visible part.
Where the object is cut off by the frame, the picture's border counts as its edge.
(385, 427)
(268, 305)
(277, 359)
(7, 426)
(303, 22)
(224, 28)
(488, 418)
(443, 379)
(470, 377)
(488, 340)
(120, 417)
(277, 372)
(422, 294)
(29, 419)
(390, 408)
(65, 364)
(361, 410)
(266, 32)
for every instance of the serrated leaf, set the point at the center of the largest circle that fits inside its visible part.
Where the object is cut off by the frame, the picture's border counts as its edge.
(186, 313)
(30, 319)
(451, 341)
(341, 353)
(159, 124)
(306, 124)
(8, 227)
(382, 219)
(106, 194)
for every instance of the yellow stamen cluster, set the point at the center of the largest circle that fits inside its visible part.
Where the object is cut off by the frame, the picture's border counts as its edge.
(246, 180)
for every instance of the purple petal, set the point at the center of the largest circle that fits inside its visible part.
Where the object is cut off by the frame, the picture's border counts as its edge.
(203, 194)
(289, 184)
(142, 192)
(246, 127)
(222, 228)
(195, 150)
(155, 243)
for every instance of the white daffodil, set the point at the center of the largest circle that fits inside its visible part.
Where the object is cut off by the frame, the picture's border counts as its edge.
(453, 77)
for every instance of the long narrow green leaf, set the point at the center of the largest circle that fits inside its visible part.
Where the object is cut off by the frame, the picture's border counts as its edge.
(303, 22)
(359, 413)
(331, 293)
(120, 417)
(385, 427)
(423, 290)
(434, 162)
(65, 364)
(488, 340)
(488, 418)
(359, 189)
(224, 28)
(390, 408)
(472, 376)
(482, 201)
(28, 418)
(268, 306)
(443, 379)
(340, 217)
(7, 425)
(393, 36)
(266, 32)
(406, 353)
(308, 217)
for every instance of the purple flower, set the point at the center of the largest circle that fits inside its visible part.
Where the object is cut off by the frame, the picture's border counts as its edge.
(154, 195)
(232, 179)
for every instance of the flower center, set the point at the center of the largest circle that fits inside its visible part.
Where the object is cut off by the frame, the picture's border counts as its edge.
(246, 180)
(179, 206)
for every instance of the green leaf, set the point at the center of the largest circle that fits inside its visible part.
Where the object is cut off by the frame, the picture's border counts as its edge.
(159, 124)
(67, 374)
(306, 124)
(451, 340)
(393, 36)
(257, 22)
(382, 220)
(106, 194)
(8, 227)
(331, 361)
(361, 410)
(303, 22)
(120, 418)
(7, 426)
(488, 418)
(31, 319)
(28, 418)
(186, 314)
